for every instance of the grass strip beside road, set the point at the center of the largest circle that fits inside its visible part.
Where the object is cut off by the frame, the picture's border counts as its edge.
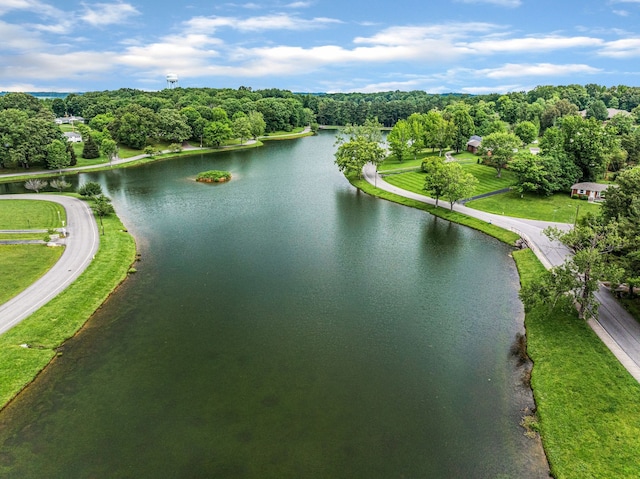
(588, 407)
(24, 264)
(558, 207)
(46, 329)
(30, 214)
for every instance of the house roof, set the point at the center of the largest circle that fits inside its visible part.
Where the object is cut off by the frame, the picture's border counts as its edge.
(590, 186)
(475, 137)
(474, 143)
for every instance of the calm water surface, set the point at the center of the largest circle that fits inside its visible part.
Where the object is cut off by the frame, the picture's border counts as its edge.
(283, 325)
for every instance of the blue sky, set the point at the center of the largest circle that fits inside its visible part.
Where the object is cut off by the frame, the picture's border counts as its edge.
(469, 46)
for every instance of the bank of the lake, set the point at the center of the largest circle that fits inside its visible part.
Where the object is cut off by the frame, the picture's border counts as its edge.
(60, 319)
(143, 159)
(588, 413)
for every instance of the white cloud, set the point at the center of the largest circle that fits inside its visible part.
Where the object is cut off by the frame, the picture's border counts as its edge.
(532, 44)
(481, 90)
(100, 14)
(500, 3)
(621, 13)
(517, 70)
(405, 35)
(46, 66)
(183, 54)
(279, 21)
(625, 48)
(29, 5)
(299, 5)
(18, 38)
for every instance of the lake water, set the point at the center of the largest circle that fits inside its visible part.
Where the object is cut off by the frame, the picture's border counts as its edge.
(283, 325)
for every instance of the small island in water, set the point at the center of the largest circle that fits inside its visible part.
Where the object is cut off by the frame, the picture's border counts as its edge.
(213, 176)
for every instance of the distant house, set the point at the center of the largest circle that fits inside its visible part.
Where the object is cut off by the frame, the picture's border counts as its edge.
(593, 191)
(474, 143)
(69, 120)
(73, 136)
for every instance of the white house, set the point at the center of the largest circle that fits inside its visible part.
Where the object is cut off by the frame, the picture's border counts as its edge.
(73, 136)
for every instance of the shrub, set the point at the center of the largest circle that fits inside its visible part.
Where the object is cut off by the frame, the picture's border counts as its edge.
(35, 185)
(90, 189)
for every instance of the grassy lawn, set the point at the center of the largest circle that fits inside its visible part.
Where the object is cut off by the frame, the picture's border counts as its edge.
(392, 164)
(487, 181)
(558, 207)
(24, 264)
(29, 214)
(22, 236)
(465, 157)
(59, 319)
(588, 407)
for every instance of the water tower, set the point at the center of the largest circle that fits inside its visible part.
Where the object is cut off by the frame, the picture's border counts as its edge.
(172, 80)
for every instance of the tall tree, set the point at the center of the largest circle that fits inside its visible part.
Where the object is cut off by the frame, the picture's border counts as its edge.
(172, 126)
(257, 125)
(590, 241)
(398, 139)
(527, 131)
(102, 207)
(588, 144)
(463, 126)
(460, 184)
(57, 155)
(435, 179)
(357, 146)
(498, 149)
(109, 148)
(216, 132)
(241, 126)
(91, 150)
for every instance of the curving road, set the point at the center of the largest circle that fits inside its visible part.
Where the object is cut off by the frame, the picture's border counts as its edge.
(81, 245)
(619, 331)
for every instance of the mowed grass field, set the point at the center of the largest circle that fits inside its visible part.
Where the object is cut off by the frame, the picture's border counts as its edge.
(23, 264)
(30, 214)
(558, 207)
(487, 179)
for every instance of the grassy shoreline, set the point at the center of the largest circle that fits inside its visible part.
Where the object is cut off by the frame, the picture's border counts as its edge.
(62, 317)
(588, 413)
(150, 159)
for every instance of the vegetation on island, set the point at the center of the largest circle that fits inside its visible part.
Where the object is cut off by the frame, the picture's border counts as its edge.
(213, 176)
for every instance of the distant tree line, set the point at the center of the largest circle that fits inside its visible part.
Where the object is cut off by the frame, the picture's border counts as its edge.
(209, 117)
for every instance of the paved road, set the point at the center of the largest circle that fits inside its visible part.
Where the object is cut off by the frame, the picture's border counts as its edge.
(81, 245)
(615, 326)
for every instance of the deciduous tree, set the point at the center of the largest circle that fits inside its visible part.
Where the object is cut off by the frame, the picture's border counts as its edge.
(498, 149)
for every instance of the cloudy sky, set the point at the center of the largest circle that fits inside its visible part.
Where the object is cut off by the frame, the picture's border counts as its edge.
(470, 46)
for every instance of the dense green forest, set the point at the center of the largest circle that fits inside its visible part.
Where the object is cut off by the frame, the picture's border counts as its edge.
(135, 118)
